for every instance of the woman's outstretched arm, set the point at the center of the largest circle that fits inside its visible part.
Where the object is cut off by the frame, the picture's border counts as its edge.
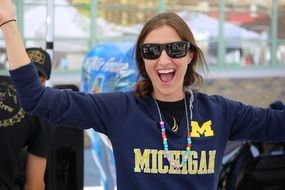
(15, 48)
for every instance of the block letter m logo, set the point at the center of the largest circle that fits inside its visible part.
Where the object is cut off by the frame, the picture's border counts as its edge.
(205, 130)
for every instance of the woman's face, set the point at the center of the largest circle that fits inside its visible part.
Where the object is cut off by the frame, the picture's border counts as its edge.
(166, 73)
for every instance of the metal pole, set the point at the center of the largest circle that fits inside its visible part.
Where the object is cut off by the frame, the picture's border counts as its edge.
(221, 47)
(50, 29)
(274, 32)
(93, 23)
(20, 16)
(161, 7)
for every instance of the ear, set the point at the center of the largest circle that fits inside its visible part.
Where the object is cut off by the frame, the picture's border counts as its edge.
(190, 57)
(43, 80)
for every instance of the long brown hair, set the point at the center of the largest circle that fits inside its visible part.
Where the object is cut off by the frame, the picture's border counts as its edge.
(144, 86)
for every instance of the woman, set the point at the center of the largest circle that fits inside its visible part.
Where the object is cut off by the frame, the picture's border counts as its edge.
(164, 135)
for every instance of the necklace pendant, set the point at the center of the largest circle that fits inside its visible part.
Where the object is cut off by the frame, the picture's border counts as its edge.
(175, 125)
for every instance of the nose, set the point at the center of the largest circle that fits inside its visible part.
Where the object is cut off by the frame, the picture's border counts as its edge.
(164, 58)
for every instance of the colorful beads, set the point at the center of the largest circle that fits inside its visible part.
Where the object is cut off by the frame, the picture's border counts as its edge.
(167, 153)
(164, 138)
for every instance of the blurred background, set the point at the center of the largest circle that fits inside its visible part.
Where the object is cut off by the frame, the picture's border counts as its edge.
(243, 42)
(240, 38)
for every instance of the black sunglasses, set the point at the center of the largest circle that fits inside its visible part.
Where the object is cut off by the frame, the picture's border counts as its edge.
(173, 49)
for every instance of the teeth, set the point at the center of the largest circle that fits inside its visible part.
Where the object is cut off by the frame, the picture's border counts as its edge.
(165, 71)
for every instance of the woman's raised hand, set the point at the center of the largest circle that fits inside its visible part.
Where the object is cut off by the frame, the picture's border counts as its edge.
(15, 48)
(7, 11)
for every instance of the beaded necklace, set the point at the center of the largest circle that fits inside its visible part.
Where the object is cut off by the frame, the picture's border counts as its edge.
(164, 139)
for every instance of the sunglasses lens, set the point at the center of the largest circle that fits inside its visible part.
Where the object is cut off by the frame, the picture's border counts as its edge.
(173, 50)
(151, 51)
(177, 49)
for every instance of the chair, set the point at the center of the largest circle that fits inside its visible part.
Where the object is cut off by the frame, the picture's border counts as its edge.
(65, 159)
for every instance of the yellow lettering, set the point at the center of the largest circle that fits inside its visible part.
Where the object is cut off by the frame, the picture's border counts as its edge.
(154, 161)
(161, 168)
(184, 167)
(192, 162)
(142, 161)
(211, 165)
(205, 130)
(175, 155)
(203, 163)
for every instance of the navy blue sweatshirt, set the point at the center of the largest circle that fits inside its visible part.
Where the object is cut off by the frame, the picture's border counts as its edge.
(132, 124)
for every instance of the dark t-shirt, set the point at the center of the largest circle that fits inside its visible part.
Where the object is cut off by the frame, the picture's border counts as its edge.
(18, 130)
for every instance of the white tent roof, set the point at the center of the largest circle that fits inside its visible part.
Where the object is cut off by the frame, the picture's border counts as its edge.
(209, 26)
(68, 23)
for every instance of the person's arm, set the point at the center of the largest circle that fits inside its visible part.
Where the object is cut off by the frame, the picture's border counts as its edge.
(15, 48)
(35, 171)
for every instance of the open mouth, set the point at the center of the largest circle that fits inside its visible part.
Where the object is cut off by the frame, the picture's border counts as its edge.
(166, 75)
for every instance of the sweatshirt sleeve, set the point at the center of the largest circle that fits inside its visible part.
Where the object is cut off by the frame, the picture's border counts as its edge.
(63, 107)
(67, 107)
(255, 123)
(28, 86)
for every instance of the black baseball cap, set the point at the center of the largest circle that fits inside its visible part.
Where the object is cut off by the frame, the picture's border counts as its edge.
(41, 60)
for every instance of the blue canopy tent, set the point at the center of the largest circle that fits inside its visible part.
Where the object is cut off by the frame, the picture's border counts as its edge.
(108, 68)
